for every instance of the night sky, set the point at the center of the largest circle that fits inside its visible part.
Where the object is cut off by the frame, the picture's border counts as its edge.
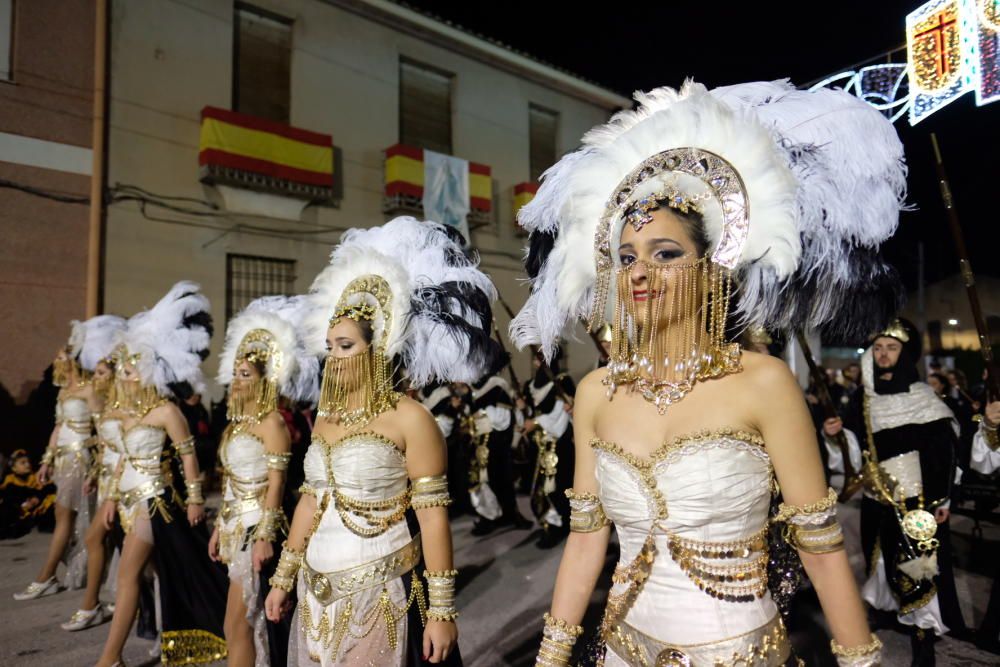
(627, 46)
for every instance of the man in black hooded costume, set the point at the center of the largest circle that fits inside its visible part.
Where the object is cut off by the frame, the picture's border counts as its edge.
(550, 426)
(910, 437)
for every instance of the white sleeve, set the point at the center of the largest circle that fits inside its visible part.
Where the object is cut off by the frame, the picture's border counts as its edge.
(445, 423)
(984, 460)
(499, 417)
(835, 460)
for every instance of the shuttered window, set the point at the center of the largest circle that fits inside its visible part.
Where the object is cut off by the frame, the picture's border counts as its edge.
(543, 125)
(424, 107)
(262, 63)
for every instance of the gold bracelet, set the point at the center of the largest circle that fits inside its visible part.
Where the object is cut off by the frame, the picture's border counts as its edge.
(194, 496)
(430, 492)
(287, 568)
(558, 639)
(272, 522)
(48, 457)
(866, 655)
(441, 595)
(278, 462)
(586, 513)
(185, 446)
(786, 512)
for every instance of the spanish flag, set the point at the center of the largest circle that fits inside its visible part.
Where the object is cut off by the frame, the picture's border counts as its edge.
(265, 148)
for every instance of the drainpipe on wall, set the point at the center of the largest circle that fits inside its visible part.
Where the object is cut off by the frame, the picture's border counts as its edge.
(95, 231)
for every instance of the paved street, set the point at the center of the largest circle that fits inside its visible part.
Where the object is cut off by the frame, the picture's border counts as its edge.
(505, 585)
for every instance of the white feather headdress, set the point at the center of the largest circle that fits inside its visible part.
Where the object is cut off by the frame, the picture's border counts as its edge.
(272, 323)
(432, 305)
(93, 340)
(170, 340)
(801, 189)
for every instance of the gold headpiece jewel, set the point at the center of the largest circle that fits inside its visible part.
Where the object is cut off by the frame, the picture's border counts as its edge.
(895, 330)
(641, 213)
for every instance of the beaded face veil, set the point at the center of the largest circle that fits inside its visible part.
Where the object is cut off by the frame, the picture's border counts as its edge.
(357, 388)
(251, 399)
(669, 333)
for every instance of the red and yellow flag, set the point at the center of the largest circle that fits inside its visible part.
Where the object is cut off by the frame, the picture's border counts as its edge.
(264, 147)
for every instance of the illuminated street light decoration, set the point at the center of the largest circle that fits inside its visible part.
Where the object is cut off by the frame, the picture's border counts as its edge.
(952, 49)
(988, 35)
(940, 55)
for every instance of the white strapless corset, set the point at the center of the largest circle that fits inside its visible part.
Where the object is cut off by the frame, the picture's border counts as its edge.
(143, 448)
(362, 482)
(244, 458)
(703, 500)
(73, 416)
(110, 433)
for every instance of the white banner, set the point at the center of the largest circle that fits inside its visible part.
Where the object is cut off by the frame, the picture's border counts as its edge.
(446, 191)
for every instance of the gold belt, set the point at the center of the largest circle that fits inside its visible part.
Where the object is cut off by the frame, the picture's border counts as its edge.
(239, 506)
(328, 587)
(144, 491)
(74, 447)
(82, 427)
(767, 646)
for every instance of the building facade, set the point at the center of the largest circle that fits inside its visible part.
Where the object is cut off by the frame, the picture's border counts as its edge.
(46, 125)
(381, 83)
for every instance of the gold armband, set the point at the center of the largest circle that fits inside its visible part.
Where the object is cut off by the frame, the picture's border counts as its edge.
(813, 528)
(194, 496)
(430, 492)
(278, 462)
(272, 523)
(307, 489)
(558, 639)
(586, 513)
(185, 446)
(441, 595)
(867, 655)
(287, 569)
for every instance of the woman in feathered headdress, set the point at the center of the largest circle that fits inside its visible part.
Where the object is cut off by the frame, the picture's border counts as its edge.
(83, 374)
(96, 339)
(159, 356)
(699, 214)
(263, 360)
(403, 293)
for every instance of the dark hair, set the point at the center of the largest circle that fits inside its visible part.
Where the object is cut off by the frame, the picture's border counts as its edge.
(693, 223)
(367, 330)
(940, 377)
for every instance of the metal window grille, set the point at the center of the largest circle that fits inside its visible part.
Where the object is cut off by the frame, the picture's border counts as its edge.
(249, 277)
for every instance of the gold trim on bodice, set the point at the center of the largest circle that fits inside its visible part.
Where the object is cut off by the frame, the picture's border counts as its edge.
(364, 518)
(709, 566)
